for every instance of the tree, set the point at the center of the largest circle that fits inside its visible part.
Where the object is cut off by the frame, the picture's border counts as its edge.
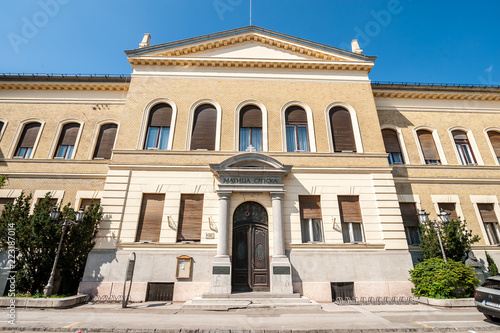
(37, 238)
(492, 267)
(455, 237)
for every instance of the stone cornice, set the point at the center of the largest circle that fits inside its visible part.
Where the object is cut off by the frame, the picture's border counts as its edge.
(437, 95)
(75, 86)
(252, 63)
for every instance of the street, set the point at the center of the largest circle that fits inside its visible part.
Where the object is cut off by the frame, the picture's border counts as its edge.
(165, 317)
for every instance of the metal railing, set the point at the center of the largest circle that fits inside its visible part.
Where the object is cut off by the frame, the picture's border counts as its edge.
(381, 300)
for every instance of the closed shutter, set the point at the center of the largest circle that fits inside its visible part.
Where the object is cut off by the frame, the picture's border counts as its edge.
(105, 141)
(86, 202)
(150, 218)
(459, 136)
(391, 141)
(495, 142)
(295, 115)
(4, 202)
(69, 134)
(449, 207)
(204, 128)
(30, 133)
(160, 115)
(428, 146)
(409, 214)
(487, 212)
(349, 209)
(190, 217)
(343, 136)
(310, 206)
(251, 116)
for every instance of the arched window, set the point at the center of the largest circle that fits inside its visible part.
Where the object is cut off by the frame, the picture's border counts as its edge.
(463, 147)
(204, 128)
(67, 139)
(342, 133)
(296, 129)
(27, 140)
(105, 141)
(158, 134)
(495, 143)
(1, 128)
(250, 128)
(392, 146)
(431, 155)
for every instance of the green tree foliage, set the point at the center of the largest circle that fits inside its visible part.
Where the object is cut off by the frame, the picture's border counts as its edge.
(492, 267)
(437, 279)
(37, 238)
(3, 179)
(454, 235)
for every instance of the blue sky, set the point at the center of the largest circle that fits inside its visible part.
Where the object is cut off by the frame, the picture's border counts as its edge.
(415, 40)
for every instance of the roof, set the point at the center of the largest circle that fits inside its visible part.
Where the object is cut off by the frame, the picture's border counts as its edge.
(243, 30)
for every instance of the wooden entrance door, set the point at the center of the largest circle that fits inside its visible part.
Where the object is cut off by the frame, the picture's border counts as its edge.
(250, 248)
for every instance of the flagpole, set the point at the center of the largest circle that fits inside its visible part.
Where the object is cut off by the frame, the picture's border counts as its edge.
(250, 12)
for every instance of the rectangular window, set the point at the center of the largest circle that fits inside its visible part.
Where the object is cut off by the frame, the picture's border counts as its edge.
(150, 218)
(490, 221)
(250, 136)
(4, 202)
(84, 203)
(296, 138)
(410, 222)
(350, 215)
(449, 207)
(310, 218)
(190, 218)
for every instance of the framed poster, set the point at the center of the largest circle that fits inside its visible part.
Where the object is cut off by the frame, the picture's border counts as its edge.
(183, 267)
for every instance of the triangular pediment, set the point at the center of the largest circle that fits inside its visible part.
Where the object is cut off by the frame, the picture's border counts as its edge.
(252, 46)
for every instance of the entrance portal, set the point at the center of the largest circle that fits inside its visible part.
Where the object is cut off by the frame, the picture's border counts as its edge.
(250, 248)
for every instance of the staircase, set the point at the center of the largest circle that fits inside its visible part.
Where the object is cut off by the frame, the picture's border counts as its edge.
(251, 300)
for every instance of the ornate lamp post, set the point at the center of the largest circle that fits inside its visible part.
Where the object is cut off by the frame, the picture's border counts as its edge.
(443, 216)
(54, 215)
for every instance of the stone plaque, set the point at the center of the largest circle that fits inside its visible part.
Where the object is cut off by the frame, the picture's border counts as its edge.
(221, 270)
(281, 270)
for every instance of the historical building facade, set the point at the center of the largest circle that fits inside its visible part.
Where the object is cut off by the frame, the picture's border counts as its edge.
(273, 162)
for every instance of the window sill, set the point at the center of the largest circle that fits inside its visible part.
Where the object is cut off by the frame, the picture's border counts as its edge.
(336, 246)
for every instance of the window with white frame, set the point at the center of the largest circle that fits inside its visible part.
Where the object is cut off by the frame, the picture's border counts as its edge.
(495, 143)
(251, 128)
(296, 129)
(410, 222)
(67, 139)
(463, 148)
(428, 146)
(352, 222)
(490, 222)
(392, 146)
(310, 218)
(158, 133)
(27, 140)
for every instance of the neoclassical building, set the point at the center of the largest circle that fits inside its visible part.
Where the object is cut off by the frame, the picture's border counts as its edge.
(250, 160)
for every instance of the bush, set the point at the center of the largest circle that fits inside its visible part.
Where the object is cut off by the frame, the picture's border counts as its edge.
(436, 279)
(492, 267)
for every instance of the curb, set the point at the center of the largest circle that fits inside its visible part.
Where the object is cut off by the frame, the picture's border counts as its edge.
(448, 303)
(48, 303)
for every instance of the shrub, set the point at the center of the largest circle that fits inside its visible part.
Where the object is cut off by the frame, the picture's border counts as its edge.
(436, 279)
(492, 267)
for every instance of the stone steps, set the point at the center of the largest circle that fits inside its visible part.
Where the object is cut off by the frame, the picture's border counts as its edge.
(251, 301)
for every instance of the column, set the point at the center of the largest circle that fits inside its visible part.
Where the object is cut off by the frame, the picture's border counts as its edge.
(281, 270)
(220, 283)
(278, 232)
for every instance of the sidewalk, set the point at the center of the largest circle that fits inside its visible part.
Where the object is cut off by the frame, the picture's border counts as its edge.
(159, 317)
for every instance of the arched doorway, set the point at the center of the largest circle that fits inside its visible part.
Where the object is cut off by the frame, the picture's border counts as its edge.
(250, 260)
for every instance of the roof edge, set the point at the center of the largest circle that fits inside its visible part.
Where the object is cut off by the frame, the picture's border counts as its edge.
(450, 87)
(38, 77)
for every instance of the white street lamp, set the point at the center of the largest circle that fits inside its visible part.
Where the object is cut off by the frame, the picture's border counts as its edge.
(443, 216)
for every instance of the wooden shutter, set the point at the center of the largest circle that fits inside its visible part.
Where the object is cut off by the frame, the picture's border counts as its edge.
(52, 201)
(409, 214)
(342, 133)
(30, 133)
(68, 134)
(160, 115)
(459, 135)
(310, 206)
(251, 116)
(495, 142)
(105, 141)
(428, 146)
(487, 212)
(391, 141)
(349, 209)
(190, 217)
(4, 202)
(86, 202)
(150, 218)
(204, 128)
(295, 115)
(449, 207)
